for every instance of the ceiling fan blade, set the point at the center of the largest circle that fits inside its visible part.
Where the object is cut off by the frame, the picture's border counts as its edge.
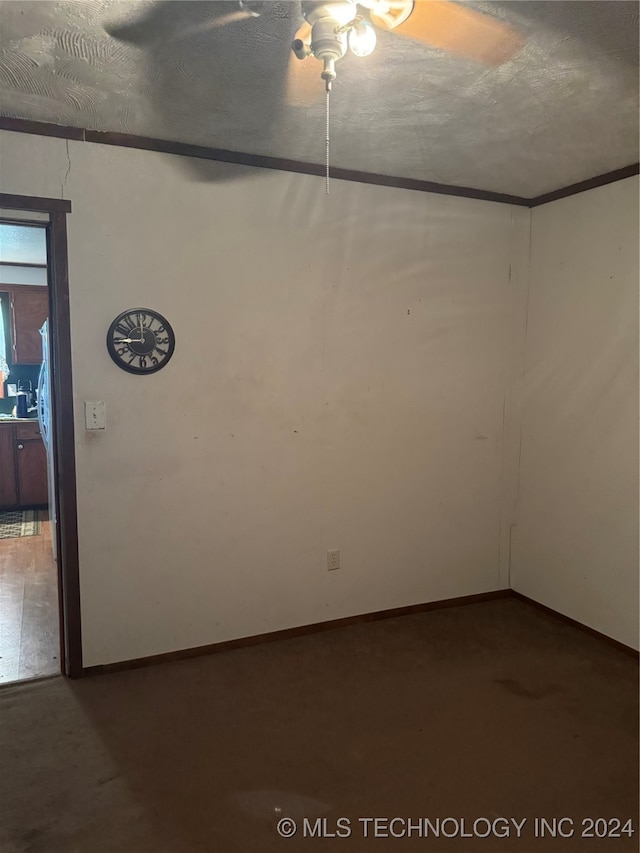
(168, 22)
(449, 26)
(221, 21)
(304, 83)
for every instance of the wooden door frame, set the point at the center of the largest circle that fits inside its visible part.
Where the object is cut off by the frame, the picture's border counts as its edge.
(64, 462)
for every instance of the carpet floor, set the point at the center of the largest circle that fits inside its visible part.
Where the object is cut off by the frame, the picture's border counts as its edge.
(479, 714)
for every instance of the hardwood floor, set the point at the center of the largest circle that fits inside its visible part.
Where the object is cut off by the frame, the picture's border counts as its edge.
(29, 626)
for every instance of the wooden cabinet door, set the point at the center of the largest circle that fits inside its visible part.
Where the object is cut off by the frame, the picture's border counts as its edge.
(30, 308)
(8, 492)
(32, 472)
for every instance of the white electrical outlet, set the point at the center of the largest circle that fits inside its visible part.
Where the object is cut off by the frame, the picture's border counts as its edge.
(333, 560)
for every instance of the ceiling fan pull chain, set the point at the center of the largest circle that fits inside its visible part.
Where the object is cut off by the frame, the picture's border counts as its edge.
(327, 140)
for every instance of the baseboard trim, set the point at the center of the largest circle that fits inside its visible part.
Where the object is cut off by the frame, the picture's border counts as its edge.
(299, 631)
(574, 622)
(333, 624)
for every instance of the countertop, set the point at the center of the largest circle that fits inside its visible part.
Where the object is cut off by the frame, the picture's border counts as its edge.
(18, 420)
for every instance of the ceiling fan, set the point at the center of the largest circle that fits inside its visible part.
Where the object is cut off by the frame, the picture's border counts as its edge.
(332, 26)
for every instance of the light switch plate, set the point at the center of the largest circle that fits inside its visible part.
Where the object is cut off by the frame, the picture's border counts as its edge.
(94, 415)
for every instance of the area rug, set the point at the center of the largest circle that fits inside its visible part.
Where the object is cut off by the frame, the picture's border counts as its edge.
(21, 522)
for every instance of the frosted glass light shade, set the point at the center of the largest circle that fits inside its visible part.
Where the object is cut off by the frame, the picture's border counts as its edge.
(362, 39)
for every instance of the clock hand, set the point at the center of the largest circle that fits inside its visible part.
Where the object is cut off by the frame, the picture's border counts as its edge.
(128, 340)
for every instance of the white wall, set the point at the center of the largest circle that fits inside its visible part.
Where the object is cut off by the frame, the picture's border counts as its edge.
(575, 545)
(340, 381)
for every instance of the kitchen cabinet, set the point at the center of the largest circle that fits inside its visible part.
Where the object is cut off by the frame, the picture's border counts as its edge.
(31, 463)
(8, 482)
(29, 310)
(23, 463)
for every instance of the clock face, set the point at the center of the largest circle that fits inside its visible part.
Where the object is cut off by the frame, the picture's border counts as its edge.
(140, 340)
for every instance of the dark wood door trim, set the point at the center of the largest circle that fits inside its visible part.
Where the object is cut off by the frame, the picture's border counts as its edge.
(64, 455)
(62, 421)
(28, 202)
(20, 264)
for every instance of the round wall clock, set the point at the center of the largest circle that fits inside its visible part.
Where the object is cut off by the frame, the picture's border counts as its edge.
(140, 340)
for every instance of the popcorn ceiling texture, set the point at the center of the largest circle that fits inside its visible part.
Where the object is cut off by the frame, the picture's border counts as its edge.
(564, 109)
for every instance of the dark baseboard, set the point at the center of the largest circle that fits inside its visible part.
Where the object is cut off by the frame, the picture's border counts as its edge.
(167, 146)
(333, 624)
(300, 631)
(574, 623)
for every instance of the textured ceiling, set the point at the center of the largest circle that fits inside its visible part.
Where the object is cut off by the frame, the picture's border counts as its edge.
(564, 109)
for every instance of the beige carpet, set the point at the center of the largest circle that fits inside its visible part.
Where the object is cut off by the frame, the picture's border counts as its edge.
(481, 712)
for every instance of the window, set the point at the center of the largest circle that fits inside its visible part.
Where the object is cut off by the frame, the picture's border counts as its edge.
(23, 254)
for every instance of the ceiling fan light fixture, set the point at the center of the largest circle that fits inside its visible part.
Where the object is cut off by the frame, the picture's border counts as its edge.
(362, 38)
(328, 44)
(389, 14)
(301, 49)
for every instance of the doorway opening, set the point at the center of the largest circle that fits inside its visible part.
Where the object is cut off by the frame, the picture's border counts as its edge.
(29, 617)
(39, 584)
